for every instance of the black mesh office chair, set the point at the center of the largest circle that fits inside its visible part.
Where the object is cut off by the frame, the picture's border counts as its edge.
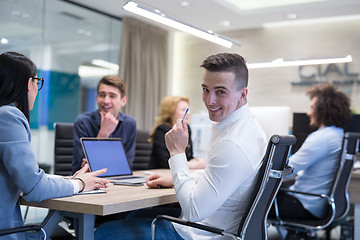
(253, 225)
(142, 151)
(338, 199)
(30, 228)
(64, 145)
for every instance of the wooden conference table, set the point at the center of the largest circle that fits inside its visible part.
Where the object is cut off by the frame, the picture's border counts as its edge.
(116, 199)
(126, 198)
(354, 194)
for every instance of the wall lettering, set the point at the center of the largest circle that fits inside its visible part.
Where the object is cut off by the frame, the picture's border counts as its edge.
(338, 74)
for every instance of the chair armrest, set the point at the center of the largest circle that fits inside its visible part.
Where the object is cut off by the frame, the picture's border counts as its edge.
(35, 228)
(281, 173)
(306, 193)
(191, 224)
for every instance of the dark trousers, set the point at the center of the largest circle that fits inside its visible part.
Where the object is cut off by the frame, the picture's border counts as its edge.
(290, 208)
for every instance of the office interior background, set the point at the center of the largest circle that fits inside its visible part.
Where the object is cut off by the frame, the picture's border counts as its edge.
(63, 39)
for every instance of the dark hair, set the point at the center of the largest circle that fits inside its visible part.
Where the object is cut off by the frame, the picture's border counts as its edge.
(113, 81)
(228, 62)
(15, 71)
(332, 106)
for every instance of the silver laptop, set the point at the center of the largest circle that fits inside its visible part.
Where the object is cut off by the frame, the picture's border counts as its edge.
(109, 153)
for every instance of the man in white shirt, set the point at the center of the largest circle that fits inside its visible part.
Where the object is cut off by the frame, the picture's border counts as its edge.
(217, 195)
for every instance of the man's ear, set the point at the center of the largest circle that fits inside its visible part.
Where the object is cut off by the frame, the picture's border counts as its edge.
(123, 101)
(244, 92)
(243, 96)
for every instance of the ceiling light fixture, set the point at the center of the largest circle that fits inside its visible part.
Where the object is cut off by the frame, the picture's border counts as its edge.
(4, 41)
(291, 16)
(281, 63)
(160, 17)
(105, 64)
(185, 4)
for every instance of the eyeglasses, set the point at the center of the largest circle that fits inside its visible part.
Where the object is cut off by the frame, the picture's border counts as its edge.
(40, 82)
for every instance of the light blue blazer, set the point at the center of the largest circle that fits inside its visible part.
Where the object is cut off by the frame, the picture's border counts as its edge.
(19, 171)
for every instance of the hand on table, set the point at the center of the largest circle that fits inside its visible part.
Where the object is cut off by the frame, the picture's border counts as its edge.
(157, 180)
(90, 178)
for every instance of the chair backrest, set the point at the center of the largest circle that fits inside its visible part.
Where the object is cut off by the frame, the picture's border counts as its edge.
(142, 151)
(64, 145)
(338, 199)
(350, 152)
(254, 222)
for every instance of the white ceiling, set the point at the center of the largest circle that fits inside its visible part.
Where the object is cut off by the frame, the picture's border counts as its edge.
(77, 35)
(210, 14)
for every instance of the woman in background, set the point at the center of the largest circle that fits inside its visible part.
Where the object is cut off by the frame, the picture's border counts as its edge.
(317, 160)
(20, 174)
(171, 108)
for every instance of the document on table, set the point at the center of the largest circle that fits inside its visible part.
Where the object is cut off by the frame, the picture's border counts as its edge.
(91, 192)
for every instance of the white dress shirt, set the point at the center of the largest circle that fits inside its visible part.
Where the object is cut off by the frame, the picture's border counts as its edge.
(218, 195)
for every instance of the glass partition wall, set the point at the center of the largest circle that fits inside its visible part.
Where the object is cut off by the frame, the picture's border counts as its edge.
(63, 40)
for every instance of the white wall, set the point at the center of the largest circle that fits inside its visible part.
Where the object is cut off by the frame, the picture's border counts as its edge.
(43, 143)
(271, 87)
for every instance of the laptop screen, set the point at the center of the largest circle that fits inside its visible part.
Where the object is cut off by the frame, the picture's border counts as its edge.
(106, 153)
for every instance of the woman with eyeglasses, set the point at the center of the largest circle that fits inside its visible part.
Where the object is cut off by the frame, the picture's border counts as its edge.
(19, 172)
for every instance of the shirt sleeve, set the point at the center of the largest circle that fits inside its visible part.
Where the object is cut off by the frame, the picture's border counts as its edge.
(313, 148)
(21, 165)
(202, 193)
(75, 183)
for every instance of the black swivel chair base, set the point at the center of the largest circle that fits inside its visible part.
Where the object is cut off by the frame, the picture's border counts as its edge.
(29, 228)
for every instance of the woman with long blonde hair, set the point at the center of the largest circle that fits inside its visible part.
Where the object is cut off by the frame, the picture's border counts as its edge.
(171, 108)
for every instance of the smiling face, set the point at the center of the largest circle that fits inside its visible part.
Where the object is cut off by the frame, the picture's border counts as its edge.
(180, 111)
(221, 95)
(109, 99)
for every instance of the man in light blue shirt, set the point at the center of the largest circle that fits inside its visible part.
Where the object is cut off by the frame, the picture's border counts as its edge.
(317, 161)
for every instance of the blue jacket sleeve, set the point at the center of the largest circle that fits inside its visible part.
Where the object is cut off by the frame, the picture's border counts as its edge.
(22, 170)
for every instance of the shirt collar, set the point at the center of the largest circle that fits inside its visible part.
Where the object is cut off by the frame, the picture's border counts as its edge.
(234, 117)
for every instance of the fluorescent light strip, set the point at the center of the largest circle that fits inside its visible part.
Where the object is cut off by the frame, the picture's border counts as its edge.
(160, 17)
(282, 63)
(297, 22)
(261, 4)
(4, 41)
(105, 64)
